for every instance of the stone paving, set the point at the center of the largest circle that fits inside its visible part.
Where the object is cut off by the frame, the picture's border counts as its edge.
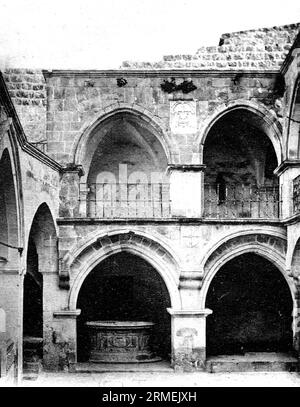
(165, 379)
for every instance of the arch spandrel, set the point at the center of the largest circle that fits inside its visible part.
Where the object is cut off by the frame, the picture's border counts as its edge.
(273, 248)
(82, 261)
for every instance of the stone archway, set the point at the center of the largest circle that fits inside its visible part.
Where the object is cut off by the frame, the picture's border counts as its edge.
(151, 252)
(9, 227)
(10, 241)
(124, 287)
(271, 246)
(124, 153)
(265, 119)
(90, 138)
(241, 149)
(227, 270)
(41, 264)
(11, 232)
(81, 261)
(252, 308)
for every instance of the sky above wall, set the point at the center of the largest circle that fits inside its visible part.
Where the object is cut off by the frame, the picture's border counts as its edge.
(100, 34)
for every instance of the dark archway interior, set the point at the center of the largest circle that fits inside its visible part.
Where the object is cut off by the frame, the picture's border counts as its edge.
(252, 308)
(124, 287)
(33, 296)
(41, 254)
(237, 149)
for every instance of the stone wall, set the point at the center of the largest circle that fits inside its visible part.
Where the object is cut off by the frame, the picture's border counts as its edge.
(264, 48)
(28, 92)
(77, 99)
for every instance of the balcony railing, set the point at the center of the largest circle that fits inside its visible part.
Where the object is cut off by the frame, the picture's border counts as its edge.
(241, 201)
(296, 195)
(129, 200)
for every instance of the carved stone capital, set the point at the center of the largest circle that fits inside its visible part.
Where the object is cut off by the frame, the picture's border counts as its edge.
(71, 167)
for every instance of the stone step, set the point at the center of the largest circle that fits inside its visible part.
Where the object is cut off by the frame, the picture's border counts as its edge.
(253, 362)
(30, 376)
(31, 367)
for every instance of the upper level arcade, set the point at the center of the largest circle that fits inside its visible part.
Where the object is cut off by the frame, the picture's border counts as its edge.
(241, 154)
(125, 162)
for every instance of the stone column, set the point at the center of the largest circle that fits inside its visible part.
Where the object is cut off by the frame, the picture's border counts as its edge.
(186, 190)
(188, 333)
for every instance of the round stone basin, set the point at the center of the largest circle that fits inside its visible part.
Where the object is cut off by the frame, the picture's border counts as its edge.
(120, 341)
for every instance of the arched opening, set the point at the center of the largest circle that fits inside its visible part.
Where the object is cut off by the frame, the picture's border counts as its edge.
(41, 258)
(9, 243)
(252, 308)
(126, 163)
(33, 298)
(124, 287)
(293, 148)
(240, 159)
(8, 213)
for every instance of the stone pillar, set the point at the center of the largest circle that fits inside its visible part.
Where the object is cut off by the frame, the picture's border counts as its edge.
(287, 172)
(61, 341)
(188, 333)
(189, 287)
(70, 192)
(186, 190)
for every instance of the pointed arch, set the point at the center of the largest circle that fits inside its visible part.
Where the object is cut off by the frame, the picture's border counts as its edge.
(43, 234)
(101, 247)
(253, 306)
(272, 248)
(266, 120)
(10, 206)
(145, 118)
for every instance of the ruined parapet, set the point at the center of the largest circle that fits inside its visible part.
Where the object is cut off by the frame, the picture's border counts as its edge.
(264, 48)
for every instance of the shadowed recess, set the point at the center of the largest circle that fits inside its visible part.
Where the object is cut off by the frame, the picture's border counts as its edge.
(252, 308)
(124, 287)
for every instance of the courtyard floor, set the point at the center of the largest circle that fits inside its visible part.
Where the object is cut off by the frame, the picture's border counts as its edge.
(165, 379)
